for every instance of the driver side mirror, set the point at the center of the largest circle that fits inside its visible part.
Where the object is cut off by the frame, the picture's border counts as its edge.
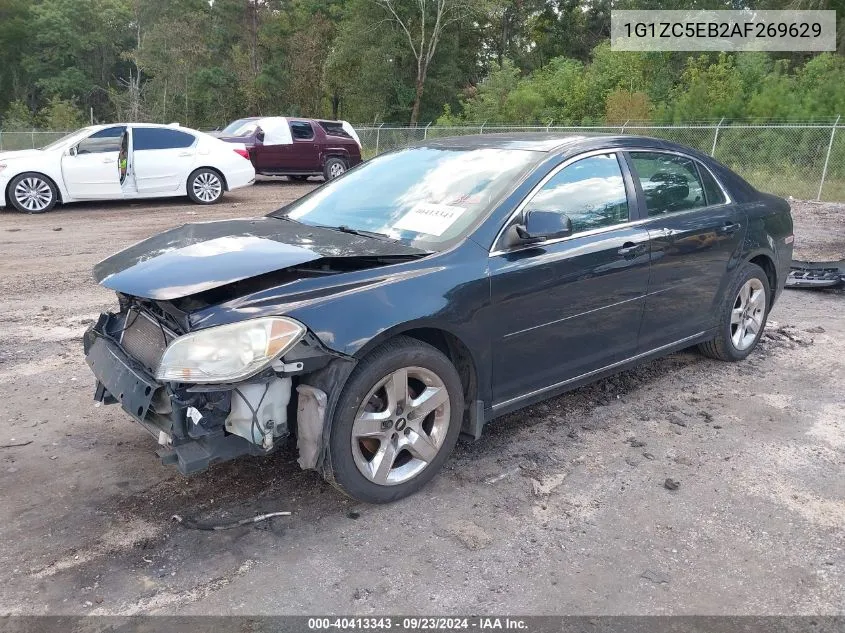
(71, 150)
(259, 136)
(539, 226)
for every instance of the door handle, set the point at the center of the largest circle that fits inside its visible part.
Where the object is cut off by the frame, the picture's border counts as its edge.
(185, 154)
(730, 227)
(629, 249)
(108, 160)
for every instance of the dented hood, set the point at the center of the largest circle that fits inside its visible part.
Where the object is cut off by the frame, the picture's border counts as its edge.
(198, 257)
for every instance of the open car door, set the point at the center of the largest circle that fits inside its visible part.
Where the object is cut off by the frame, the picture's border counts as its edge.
(90, 168)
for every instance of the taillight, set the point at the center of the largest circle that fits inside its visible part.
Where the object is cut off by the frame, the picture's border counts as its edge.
(242, 152)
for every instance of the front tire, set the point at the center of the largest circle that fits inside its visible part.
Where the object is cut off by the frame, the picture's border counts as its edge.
(205, 186)
(395, 423)
(32, 193)
(743, 316)
(334, 168)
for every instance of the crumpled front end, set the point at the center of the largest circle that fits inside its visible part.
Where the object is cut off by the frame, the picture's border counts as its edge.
(195, 424)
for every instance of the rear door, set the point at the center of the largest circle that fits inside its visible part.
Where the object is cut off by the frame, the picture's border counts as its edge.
(695, 239)
(304, 153)
(570, 306)
(162, 158)
(93, 171)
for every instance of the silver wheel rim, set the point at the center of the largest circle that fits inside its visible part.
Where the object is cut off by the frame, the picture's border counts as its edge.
(336, 170)
(748, 313)
(401, 426)
(207, 186)
(33, 194)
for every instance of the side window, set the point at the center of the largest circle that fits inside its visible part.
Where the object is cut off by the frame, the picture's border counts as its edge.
(712, 190)
(107, 140)
(670, 182)
(590, 192)
(301, 131)
(159, 138)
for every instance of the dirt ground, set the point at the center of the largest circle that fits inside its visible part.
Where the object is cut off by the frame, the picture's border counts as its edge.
(559, 509)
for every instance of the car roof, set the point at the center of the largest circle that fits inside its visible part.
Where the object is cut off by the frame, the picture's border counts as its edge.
(530, 141)
(564, 144)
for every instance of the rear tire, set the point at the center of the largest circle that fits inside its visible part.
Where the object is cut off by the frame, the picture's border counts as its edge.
(205, 186)
(743, 315)
(31, 192)
(396, 422)
(334, 168)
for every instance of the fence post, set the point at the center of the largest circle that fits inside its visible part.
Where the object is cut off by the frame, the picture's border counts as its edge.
(425, 132)
(622, 131)
(481, 131)
(716, 137)
(33, 138)
(1, 140)
(827, 158)
(378, 135)
(549, 124)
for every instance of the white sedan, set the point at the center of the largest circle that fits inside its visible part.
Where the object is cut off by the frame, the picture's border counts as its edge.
(123, 161)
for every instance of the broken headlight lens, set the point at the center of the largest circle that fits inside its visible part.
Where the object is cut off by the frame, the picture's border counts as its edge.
(228, 353)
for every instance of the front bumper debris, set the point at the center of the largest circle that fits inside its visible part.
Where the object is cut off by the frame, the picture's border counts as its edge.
(816, 274)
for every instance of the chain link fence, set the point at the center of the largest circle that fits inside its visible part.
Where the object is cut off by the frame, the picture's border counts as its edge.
(806, 161)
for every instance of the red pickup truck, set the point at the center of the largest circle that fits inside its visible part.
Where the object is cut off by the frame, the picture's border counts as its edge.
(298, 148)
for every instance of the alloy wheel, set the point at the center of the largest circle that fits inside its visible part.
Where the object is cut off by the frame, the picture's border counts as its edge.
(336, 170)
(207, 186)
(33, 194)
(748, 313)
(401, 426)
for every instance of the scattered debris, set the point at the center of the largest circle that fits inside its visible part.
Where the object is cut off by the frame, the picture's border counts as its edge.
(655, 577)
(708, 417)
(13, 445)
(57, 228)
(674, 419)
(194, 525)
(497, 478)
(671, 484)
(648, 455)
(818, 329)
(635, 443)
(788, 333)
(353, 515)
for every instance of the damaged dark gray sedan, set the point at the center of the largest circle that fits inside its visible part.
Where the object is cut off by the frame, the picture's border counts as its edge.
(429, 291)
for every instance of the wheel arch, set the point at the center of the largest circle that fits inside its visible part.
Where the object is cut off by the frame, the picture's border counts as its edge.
(216, 170)
(333, 378)
(767, 263)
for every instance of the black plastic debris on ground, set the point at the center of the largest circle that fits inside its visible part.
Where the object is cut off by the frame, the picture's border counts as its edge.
(816, 274)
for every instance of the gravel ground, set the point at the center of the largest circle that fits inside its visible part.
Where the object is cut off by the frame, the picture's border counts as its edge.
(559, 509)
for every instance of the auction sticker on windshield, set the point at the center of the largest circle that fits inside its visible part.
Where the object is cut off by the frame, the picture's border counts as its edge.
(429, 218)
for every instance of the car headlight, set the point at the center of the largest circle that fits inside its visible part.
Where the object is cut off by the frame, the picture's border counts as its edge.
(228, 353)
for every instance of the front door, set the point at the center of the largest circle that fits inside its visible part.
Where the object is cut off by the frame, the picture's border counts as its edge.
(574, 305)
(696, 236)
(92, 171)
(162, 158)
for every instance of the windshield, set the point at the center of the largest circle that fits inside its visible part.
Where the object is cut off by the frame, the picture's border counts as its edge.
(67, 139)
(422, 196)
(241, 127)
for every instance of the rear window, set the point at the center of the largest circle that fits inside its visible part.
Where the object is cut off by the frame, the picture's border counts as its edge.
(159, 138)
(301, 131)
(333, 128)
